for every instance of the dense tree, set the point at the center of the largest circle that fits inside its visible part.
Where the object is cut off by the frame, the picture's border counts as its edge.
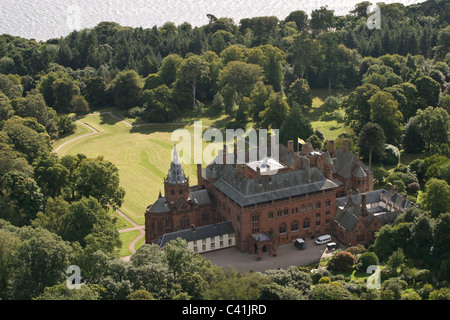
(295, 126)
(299, 17)
(357, 107)
(126, 89)
(27, 137)
(191, 71)
(64, 90)
(412, 139)
(384, 111)
(99, 178)
(437, 197)
(372, 138)
(441, 239)
(434, 125)
(169, 67)
(428, 91)
(42, 260)
(276, 110)
(300, 93)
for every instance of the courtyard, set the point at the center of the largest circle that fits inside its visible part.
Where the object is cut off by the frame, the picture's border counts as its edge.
(287, 255)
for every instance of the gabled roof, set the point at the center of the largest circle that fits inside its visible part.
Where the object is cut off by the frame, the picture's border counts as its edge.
(201, 197)
(198, 233)
(160, 206)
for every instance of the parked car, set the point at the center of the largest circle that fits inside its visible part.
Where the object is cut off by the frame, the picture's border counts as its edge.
(323, 239)
(331, 246)
(300, 243)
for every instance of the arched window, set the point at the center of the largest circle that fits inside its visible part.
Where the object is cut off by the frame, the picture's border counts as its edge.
(294, 226)
(303, 208)
(270, 215)
(286, 211)
(282, 228)
(328, 203)
(318, 205)
(180, 191)
(306, 224)
(310, 206)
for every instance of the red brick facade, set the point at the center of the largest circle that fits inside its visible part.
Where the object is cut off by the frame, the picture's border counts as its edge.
(299, 201)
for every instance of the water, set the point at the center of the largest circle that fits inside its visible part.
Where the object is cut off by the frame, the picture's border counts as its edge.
(45, 19)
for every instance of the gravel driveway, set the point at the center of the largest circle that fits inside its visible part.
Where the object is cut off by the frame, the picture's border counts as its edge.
(287, 255)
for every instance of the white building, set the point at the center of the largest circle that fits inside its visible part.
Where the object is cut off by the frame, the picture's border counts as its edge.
(205, 238)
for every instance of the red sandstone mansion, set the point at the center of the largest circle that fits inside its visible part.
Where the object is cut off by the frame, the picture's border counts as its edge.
(265, 209)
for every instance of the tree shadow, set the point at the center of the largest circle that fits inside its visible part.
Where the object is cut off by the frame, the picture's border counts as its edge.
(108, 119)
(149, 128)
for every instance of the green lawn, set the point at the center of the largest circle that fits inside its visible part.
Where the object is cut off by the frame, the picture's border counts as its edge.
(142, 155)
(331, 129)
(79, 131)
(126, 239)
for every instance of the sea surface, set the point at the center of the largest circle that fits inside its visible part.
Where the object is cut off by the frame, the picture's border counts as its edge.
(46, 19)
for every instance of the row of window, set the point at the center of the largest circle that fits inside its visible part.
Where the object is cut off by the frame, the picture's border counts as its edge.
(285, 212)
(306, 225)
(212, 245)
(213, 239)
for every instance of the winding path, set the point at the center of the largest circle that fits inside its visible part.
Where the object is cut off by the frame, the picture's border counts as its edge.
(135, 226)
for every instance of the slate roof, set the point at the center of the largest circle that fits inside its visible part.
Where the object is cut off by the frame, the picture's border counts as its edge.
(160, 206)
(348, 213)
(247, 191)
(201, 197)
(198, 233)
(344, 165)
(176, 173)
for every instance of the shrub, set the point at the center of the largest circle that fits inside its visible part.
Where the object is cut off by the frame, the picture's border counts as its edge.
(413, 188)
(365, 260)
(425, 291)
(355, 250)
(391, 155)
(342, 261)
(440, 294)
(400, 185)
(325, 280)
(409, 177)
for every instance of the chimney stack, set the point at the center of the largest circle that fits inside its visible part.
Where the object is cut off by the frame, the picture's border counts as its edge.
(199, 176)
(363, 205)
(357, 158)
(291, 145)
(345, 145)
(331, 149)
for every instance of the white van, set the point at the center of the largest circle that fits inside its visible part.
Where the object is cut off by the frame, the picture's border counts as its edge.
(323, 239)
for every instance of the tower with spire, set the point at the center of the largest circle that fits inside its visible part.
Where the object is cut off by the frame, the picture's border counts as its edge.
(176, 184)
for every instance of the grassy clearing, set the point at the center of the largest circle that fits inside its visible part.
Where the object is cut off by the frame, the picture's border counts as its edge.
(79, 131)
(126, 239)
(331, 128)
(142, 155)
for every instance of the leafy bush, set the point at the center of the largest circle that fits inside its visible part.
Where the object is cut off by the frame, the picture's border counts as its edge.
(342, 261)
(365, 260)
(391, 155)
(413, 188)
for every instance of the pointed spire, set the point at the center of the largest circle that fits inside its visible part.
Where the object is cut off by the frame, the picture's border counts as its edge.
(176, 173)
(175, 155)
